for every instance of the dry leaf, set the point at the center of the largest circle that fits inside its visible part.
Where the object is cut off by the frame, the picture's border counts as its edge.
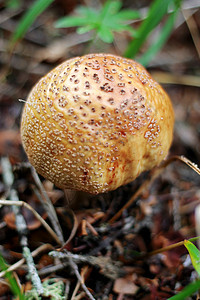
(125, 285)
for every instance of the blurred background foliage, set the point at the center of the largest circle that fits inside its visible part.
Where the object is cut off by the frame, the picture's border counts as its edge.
(104, 19)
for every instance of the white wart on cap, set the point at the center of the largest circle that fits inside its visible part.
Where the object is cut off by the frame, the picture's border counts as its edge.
(96, 122)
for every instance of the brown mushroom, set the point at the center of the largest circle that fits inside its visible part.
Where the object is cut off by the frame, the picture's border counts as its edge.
(96, 122)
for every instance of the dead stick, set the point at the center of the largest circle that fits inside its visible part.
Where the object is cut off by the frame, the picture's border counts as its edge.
(48, 206)
(43, 222)
(21, 226)
(155, 173)
(20, 262)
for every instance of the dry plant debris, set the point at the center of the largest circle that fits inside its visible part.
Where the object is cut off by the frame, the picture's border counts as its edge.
(104, 253)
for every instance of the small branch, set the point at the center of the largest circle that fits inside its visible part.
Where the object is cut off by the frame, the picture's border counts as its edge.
(193, 28)
(78, 276)
(170, 247)
(53, 269)
(22, 203)
(49, 208)
(170, 78)
(84, 270)
(109, 268)
(53, 217)
(22, 261)
(155, 173)
(74, 267)
(33, 275)
(21, 226)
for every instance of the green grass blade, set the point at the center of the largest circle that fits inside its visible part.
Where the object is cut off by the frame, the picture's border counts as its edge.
(13, 283)
(194, 255)
(35, 10)
(156, 13)
(160, 41)
(187, 291)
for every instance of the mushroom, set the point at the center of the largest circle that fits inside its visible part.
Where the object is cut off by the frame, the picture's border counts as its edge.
(96, 122)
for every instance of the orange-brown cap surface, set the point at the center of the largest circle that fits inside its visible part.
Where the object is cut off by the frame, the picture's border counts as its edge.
(96, 122)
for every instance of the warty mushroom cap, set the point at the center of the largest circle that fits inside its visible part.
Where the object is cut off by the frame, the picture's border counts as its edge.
(96, 122)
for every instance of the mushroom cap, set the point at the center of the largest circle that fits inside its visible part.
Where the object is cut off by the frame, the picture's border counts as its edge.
(96, 122)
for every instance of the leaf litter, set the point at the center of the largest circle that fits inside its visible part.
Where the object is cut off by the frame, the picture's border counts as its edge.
(111, 256)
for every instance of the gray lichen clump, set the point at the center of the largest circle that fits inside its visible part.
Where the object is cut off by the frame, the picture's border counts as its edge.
(96, 122)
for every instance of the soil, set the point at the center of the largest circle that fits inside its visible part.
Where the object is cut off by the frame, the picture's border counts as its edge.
(115, 255)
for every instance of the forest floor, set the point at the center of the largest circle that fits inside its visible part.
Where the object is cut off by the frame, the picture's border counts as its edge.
(115, 255)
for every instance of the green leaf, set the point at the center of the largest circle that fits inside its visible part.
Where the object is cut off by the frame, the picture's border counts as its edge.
(187, 291)
(35, 10)
(156, 12)
(105, 34)
(104, 21)
(71, 22)
(84, 29)
(194, 255)
(13, 283)
(128, 14)
(160, 40)
(86, 17)
(121, 27)
(110, 8)
(86, 11)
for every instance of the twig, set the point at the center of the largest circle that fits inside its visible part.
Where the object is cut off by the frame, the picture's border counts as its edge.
(76, 271)
(169, 78)
(53, 269)
(22, 261)
(193, 28)
(74, 267)
(21, 226)
(143, 187)
(49, 208)
(109, 268)
(72, 264)
(67, 285)
(155, 173)
(43, 222)
(170, 247)
(33, 275)
(78, 283)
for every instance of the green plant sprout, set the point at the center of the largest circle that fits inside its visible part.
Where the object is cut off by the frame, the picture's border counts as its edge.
(53, 289)
(11, 279)
(194, 286)
(112, 18)
(157, 12)
(104, 22)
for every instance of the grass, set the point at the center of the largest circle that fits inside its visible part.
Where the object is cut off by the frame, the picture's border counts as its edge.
(11, 279)
(111, 18)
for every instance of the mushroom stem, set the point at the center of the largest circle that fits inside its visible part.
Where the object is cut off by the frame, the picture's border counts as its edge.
(75, 198)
